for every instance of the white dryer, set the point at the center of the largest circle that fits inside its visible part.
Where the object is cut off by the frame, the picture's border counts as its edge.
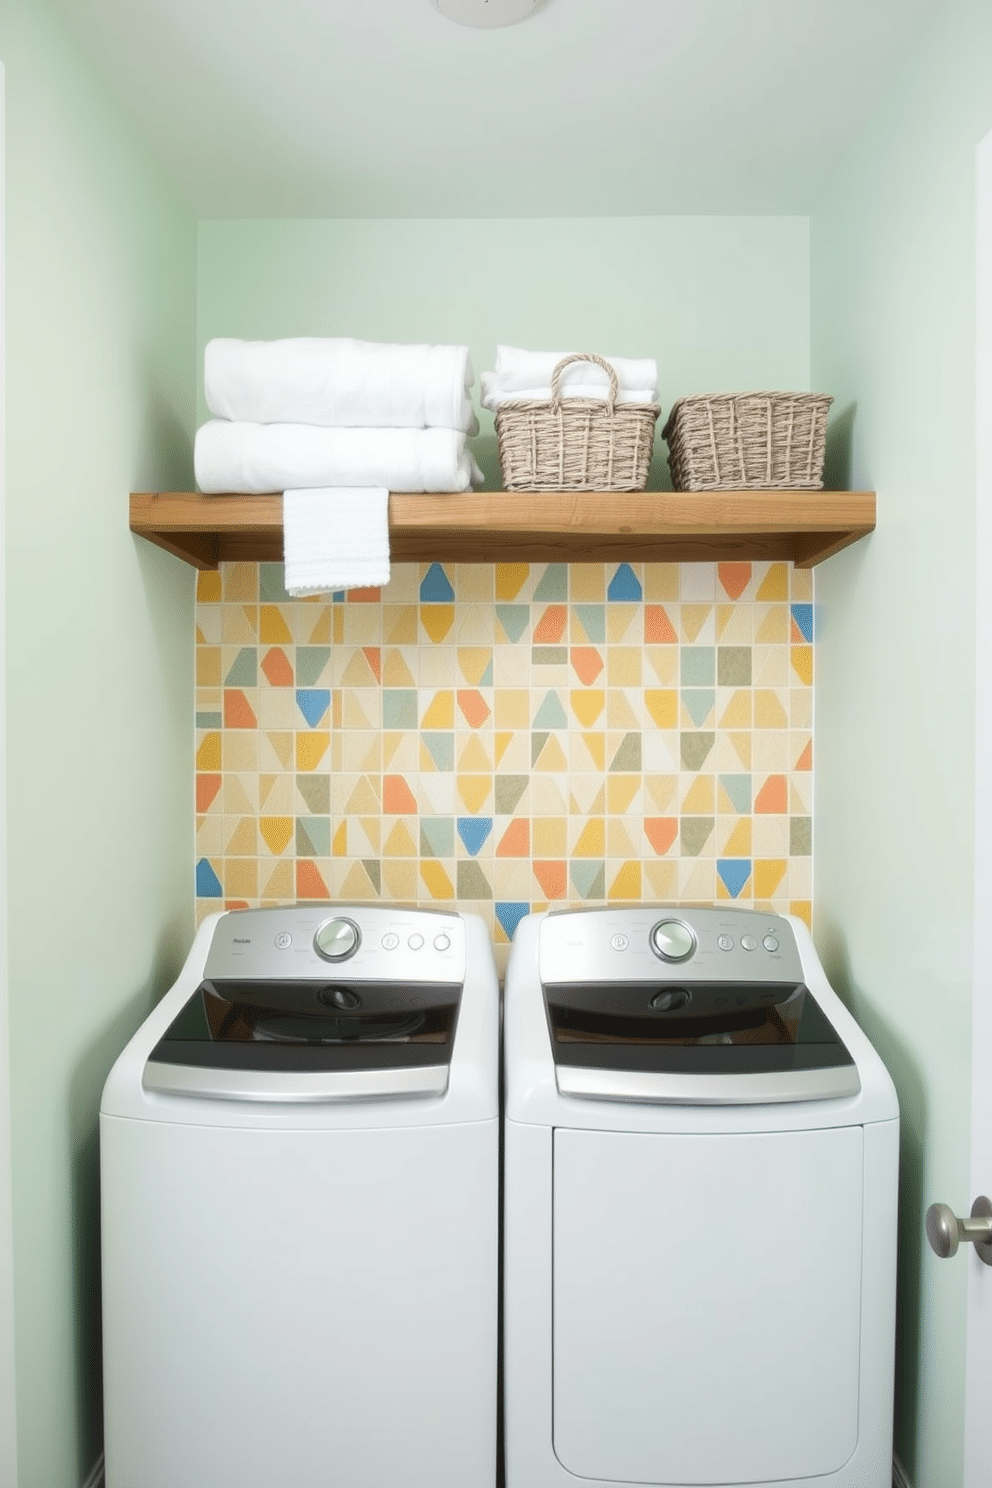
(700, 1169)
(299, 1156)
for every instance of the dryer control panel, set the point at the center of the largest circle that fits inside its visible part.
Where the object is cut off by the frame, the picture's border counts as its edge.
(653, 943)
(351, 941)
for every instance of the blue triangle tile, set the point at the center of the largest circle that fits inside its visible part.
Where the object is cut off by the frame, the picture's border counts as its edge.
(625, 585)
(473, 830)
(437, 836)
(553, 584)
(313, 703)
(441, 748)
(698, 703)
(738, 788)
(550, 714)
(510, 913)
(207, 882)
(735, 873)
(514, 619)
(802, 614)
(435, 586)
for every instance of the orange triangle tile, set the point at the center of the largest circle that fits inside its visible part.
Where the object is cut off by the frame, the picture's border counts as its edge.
(551, 627)
(473, 706)
(734, 577)
(364, 596)
(207, 787)
(309, 883)
(661, 832)
(275, 665)
(238, 712)
(805, 760)
(773, 796)
(397, 797)
(658, 629)
(587, 663)
(515, 841)
(552, 878)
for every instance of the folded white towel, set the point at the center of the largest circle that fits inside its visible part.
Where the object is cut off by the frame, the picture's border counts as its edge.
(335, 538)
(532, 369)
(494, 394)
(338, 381)
(256, 458)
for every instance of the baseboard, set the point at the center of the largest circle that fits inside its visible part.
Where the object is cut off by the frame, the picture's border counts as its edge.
(899, 1478)
(95, 1479)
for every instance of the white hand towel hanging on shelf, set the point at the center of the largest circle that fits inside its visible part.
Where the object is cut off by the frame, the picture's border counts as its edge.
(335, 537)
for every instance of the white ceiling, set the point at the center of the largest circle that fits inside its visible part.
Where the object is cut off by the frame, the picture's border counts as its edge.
(383, 108)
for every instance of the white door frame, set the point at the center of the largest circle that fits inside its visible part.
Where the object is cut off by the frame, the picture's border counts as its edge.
(978, 1375)
(8, 1436)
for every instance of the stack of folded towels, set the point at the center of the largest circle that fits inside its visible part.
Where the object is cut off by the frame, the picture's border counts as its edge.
(527, 374)
(335, 424)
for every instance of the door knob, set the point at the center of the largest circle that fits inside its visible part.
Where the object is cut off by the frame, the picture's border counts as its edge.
(945, 1231)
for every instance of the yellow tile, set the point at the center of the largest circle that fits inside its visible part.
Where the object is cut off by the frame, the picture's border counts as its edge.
(437, 620)
(803, 909)
(240, 581)
(240, 750)
(775, 584)
(473, 756)
(436, 880)
(511, 708)
(694, 617)
(700, 798)
(663, 706)
(595, 745)
(400, 625)
(280, 881)
(621, 619)
(501, 743)
(358, 673)
(510, 579)
(619, 713)
(440, 712)
(473, 662)
(802, 663)
(276, 749)
(549, 837)
(623, 666)
(311, 748)
(591, 841)
(618, 843)
(364, 799)
(357, 884)
(320, 630)
(272, 627)
(474, 791)
(399, 879)
(768, 874)
(627, 883)
(661, 582)
(277, 832)
(587, 583)
(243, 842)
(400, 843)
(587, 704)
(663, 790)
(773, 630)
(396, 671)
(240, 878)
(741, 744)
(768, 711)
(208, 754)
(663, 661)
(339, 842)
(737, 713)
(621, 791)
(208, 586)
(662, 877)
(738, 843)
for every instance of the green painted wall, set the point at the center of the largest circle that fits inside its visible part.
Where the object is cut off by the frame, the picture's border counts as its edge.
(893, 338)
(719, 302)
(100, 353)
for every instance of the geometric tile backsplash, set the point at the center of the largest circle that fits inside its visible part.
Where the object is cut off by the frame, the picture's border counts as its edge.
(501, 738)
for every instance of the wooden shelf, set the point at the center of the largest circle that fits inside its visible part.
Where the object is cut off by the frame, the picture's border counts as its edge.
(534, 526)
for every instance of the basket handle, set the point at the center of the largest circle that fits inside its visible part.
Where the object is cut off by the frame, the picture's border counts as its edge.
(582, 356)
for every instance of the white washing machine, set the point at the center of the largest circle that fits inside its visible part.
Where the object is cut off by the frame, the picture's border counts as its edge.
(299, 1156)
(700, 1168)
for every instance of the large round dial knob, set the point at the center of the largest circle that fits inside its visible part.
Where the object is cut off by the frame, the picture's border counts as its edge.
(672, 940)
(337, 939)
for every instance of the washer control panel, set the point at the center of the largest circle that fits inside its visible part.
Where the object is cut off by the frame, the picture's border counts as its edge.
(655, 943)
(374, 942)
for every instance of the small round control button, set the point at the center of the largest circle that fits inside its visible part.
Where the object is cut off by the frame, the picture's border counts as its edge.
(770, 943)
(619, 942)
(389, 941)
(672, 940)
(670, 1000)
(337, 939)
(442, 942)
(749, 942)
(415, 941)
(725, 942)
(340, 997)
(283, 941)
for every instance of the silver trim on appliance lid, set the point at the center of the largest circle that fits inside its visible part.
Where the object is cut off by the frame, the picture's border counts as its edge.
(771, 1088)
(295, 1087)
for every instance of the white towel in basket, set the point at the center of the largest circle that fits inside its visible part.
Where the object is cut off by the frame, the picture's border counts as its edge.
(335, 537)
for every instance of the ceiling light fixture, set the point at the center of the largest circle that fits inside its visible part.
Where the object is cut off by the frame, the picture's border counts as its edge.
(485, 13)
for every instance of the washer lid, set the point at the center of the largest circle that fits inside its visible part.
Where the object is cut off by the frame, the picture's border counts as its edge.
(307, 1040)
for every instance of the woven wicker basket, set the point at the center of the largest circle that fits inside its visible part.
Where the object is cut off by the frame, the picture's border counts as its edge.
(748, 441)
(575, 444)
